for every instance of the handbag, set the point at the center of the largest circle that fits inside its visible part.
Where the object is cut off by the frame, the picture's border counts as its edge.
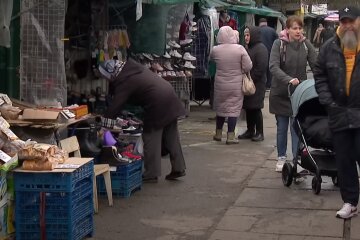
(248, 86)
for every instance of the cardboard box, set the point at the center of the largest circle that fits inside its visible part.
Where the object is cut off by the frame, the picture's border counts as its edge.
(79, 111)
(40, 115)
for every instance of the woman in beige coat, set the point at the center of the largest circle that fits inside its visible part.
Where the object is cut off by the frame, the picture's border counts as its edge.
(232, 61)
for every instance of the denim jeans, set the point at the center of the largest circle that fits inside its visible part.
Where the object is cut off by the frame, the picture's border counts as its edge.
(282, 123)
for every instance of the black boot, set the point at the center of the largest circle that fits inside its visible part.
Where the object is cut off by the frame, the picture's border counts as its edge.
(246, 135)
(258, 137)
(109, 155)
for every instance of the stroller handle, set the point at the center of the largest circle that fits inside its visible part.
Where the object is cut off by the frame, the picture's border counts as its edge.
(289, 89)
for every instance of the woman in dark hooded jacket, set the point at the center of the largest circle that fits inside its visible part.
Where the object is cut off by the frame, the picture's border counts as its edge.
(254, 103)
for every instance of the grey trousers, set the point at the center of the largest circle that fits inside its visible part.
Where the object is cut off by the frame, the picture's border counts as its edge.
(152, 149)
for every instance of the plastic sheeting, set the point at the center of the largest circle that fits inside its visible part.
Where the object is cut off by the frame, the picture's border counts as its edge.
(42, 69)
(6, 7)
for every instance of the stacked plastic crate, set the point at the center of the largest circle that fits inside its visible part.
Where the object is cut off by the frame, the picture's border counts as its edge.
(55, 205)
(125, 179)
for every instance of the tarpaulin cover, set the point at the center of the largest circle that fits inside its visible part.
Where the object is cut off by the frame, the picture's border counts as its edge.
(263, 11)
(6, 7)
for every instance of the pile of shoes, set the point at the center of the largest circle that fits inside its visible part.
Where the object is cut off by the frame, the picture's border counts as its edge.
(116, 151)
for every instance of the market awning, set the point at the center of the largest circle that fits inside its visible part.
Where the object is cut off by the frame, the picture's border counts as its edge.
(263, 11)
(214, 3)
(169, 2)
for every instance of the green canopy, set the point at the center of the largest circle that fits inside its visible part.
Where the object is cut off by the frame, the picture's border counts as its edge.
(263, 11)
(169, 1)
(214, 3)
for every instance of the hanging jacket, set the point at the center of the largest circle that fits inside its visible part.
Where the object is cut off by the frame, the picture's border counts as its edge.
(296, 57)
(330, 84)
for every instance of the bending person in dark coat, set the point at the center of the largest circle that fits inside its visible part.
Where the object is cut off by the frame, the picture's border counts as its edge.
(254, 103)
(135, 84)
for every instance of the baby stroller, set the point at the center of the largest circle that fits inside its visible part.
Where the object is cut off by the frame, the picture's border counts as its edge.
(315, 151)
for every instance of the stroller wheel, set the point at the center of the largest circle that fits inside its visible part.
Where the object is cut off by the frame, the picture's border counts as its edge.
(335, 180)
(287, 174)
(316, 185)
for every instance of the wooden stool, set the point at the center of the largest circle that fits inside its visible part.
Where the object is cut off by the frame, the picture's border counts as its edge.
(71, 145)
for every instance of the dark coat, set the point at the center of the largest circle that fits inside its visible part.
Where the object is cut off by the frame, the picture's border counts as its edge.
(330, 84)
(268, 36)
(259, 57)
(297, 57)
(139, 86)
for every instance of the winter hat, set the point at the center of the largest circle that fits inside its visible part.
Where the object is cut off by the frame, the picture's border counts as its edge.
(110, 69)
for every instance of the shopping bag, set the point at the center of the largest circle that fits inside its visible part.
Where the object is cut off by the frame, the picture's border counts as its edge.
(248, 86)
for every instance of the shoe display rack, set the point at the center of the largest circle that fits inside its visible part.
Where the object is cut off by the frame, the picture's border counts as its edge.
(176, 64)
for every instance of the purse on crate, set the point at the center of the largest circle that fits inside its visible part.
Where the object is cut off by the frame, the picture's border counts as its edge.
(248, 86)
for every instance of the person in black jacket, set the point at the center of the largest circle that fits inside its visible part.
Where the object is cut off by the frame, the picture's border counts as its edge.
(337, 81)
(254, 103)
(133, 83)
(268, 36)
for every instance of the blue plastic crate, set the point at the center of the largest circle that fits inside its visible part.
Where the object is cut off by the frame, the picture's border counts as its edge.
(52, 182)
(126, 180)
(82, 228)
(58, 206)
(128, 170)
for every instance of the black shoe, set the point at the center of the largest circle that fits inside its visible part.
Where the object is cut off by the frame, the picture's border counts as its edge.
(246, 135)
(149, 179)
(109, 155)
(175, 175)
(258, 137)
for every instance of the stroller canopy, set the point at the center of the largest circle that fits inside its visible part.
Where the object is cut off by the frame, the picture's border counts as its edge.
(304, 92)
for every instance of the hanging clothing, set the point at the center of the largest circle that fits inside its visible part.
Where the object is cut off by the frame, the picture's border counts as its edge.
(201, 46)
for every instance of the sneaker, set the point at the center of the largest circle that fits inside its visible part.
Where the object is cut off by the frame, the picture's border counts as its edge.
(167, 47)
(188, 74)
(175, 53)
(182, 74)
(173, 44)
(193, 24)
(148, 56)
(157, 67)
(166, 55)
(280, 163)
(167, 66)
(189, 57)
(173, 74)
(347, 211)
(189, 65)
(193, 29)
(155, 55)
(185, 42)
(175, 175)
